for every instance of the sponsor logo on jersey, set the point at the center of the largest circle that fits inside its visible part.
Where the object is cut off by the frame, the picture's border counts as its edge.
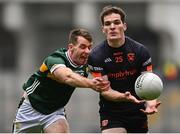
(118, 53)
(95, 68)
(107, 60)
(131, 57)
(122, 74)
(98, 68)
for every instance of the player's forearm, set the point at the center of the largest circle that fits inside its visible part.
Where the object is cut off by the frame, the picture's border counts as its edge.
(113, 95)
(77, 80)
(67, 76)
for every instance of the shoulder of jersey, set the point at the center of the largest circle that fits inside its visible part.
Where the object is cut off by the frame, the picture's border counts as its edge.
(60, 51)
(134, 43)
(98, 48)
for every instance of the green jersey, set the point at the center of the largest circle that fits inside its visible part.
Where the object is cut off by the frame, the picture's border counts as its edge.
(45, 94)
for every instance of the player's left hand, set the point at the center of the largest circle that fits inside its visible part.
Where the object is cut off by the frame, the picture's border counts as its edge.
(130, 98)
(151, 107)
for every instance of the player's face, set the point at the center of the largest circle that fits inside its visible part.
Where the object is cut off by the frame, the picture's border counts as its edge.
(80, 51)
(113, 27)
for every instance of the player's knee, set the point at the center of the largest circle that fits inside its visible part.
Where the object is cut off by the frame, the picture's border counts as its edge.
(59, 126)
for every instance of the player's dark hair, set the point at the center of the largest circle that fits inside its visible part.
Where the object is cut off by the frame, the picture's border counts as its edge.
(107, 10)
(79, 32)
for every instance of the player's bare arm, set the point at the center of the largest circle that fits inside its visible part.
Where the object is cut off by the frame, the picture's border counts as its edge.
(114, 95)
(67, 76)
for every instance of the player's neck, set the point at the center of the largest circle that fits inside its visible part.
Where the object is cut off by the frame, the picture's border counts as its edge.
(116, 43)
(69, 55)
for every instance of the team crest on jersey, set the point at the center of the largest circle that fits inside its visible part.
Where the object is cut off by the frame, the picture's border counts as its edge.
(131, 57)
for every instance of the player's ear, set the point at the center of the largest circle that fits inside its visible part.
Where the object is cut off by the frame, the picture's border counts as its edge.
(125, 26)
(70, 46)
(102, 28)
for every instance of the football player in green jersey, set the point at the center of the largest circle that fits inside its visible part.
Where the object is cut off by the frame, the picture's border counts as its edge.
(49, 89)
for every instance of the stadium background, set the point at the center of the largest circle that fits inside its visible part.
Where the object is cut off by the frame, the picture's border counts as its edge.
(31, 29)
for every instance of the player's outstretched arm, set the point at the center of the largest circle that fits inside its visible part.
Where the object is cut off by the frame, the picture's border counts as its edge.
(67, 76)
(114, 95)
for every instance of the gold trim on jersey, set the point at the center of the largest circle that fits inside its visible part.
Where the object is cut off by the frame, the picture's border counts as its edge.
(43, 68)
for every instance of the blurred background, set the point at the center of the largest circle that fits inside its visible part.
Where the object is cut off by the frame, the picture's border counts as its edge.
(32, 29)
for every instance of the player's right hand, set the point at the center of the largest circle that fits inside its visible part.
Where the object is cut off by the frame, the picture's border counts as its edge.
(100, 85)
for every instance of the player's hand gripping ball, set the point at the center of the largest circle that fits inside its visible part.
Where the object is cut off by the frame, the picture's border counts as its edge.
(148, 86)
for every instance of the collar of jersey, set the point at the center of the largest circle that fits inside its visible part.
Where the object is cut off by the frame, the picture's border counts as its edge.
(71, 62)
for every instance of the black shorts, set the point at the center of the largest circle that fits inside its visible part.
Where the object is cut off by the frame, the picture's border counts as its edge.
(133, 124)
